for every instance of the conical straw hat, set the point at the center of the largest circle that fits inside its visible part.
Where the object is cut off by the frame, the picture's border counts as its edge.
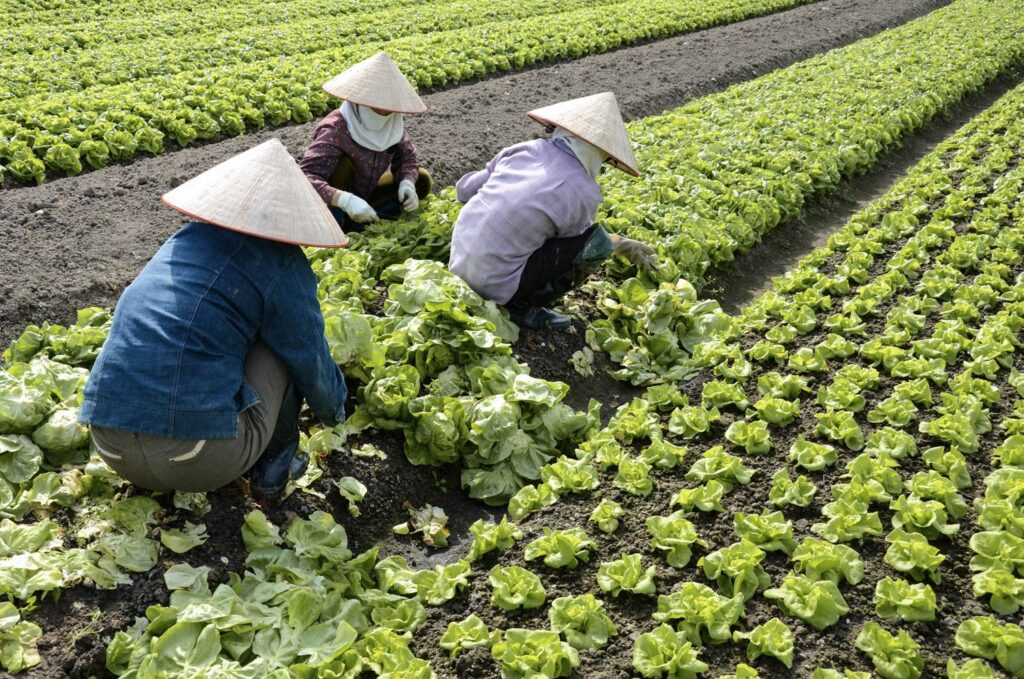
(376, 82)
(261, 192)
(594, 119)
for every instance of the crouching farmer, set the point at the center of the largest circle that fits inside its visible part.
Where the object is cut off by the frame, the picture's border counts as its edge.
(526, 235)
(361, 160)
(217, 342)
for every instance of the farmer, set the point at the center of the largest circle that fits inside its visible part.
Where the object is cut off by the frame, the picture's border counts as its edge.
(360, 152)
(218, 340)
(526, 235)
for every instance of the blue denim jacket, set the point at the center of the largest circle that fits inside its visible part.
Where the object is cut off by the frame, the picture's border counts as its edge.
(173, 363)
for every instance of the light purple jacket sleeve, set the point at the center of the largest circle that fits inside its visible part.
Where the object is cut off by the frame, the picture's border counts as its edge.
(471, 182)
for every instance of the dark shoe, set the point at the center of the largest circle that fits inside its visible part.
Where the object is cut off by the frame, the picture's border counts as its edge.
(539, 318)
(278, 465)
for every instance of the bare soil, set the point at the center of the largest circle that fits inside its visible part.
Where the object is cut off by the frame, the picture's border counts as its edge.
(78, 241)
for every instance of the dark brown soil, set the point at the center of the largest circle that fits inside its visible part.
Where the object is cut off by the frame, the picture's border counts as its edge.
(79, 241)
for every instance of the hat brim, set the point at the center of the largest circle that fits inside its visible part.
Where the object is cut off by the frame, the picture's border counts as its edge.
(236, 229)
(354, 100)
(615, 160)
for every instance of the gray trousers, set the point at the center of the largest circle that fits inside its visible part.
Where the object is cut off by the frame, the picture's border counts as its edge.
(163, 464)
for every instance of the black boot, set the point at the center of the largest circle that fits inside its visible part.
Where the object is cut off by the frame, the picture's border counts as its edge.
(539, 318)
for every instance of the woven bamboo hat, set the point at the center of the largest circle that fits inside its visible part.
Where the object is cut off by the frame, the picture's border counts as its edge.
(595, 119)
(376, 82)
(263, 193)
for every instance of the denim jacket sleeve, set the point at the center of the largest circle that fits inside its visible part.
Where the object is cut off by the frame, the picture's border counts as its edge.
(293, 327)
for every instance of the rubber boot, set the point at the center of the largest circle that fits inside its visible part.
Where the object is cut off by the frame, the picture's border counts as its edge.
(539, 318)
(533, 312)
(280, 462)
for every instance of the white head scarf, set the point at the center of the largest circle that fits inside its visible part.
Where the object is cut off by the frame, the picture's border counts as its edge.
(372, 130)
(589, 155)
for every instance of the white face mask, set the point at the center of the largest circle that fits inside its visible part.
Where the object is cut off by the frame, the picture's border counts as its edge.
(592, 158)
(372, 130)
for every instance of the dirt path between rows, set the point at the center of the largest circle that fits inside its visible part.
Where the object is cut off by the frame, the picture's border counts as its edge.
(79, 241)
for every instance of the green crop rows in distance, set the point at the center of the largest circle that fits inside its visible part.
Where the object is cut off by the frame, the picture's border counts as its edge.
(725, 169)
(96, 97)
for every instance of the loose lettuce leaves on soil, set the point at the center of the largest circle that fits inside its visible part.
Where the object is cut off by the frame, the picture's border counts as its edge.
(181, 540)
(431, 522)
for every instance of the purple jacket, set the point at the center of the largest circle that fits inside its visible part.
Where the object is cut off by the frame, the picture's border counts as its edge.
(331, 141)
(527, 194)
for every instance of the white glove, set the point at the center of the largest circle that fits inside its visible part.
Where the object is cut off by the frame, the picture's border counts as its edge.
(356, 208)
(640, 254)
(407, 195)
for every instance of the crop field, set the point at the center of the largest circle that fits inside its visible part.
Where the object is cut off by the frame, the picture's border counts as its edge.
(258, 64)
(827, 484)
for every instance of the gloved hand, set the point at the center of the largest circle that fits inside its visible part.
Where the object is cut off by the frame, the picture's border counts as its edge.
(356, 208)
(407, 195)
(636, 252)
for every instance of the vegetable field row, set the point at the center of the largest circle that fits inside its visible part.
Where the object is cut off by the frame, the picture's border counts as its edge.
(725, 169)
(109, 99)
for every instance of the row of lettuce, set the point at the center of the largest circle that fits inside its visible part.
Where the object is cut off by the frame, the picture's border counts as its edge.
(868, 386)
(113, 101)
